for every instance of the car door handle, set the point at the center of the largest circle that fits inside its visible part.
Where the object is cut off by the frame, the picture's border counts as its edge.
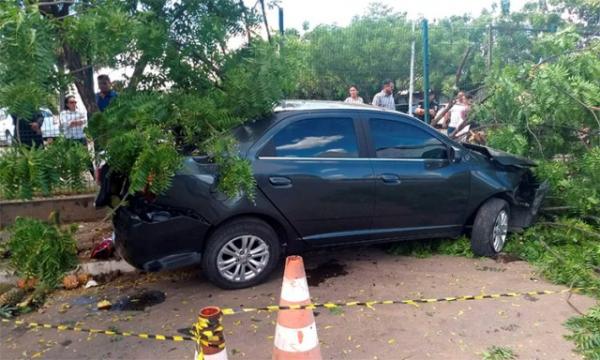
(280, 181)
(390, 179)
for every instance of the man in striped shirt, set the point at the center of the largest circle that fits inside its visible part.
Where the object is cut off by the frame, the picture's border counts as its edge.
(385, 98)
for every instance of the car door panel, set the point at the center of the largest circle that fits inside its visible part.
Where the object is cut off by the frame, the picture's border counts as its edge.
(422, 197)
(430, 195)
(325, 198)
(328, 195)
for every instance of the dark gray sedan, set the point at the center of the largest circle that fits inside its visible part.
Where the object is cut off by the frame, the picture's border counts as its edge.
(327, 173)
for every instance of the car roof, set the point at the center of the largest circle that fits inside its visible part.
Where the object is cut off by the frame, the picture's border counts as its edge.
(304, 105)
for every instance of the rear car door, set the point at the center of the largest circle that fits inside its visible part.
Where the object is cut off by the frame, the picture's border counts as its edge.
(420, 190)
(313, 168)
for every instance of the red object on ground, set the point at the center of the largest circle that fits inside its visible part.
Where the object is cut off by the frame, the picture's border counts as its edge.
(104, 250)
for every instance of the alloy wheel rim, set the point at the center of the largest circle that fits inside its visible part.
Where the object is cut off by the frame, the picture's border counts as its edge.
(500, 231)
(243, 258)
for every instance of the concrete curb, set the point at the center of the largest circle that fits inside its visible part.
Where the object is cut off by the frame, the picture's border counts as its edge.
(72, 208)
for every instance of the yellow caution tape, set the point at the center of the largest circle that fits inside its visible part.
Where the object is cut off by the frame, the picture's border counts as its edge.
(63, 327)
(208, 333)
(369, 304)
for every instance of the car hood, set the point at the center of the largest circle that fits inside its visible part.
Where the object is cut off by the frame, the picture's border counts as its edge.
(501, 157)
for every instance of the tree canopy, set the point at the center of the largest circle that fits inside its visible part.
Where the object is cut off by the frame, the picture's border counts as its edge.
(198, 68)
(187, 85)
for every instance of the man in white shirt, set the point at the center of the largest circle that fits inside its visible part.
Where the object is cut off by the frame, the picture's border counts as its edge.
(385, 98)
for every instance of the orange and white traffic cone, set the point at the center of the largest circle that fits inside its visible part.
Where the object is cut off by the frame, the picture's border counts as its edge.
(296, 330)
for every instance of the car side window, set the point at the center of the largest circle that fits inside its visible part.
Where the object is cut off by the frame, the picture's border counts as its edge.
(317, 137)
(398, 140)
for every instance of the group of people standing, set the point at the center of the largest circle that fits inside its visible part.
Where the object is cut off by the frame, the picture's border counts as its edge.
(72, 121)
(453, 122)
(384, 98)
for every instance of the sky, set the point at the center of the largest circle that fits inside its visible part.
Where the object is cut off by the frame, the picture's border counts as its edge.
(340, 12)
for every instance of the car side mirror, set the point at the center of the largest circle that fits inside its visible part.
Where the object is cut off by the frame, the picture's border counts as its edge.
(455, 154)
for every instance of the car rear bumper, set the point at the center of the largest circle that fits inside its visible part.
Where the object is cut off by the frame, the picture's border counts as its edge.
(164, 242)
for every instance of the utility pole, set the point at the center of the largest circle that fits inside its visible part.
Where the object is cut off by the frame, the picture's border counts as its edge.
(425, 30)
(490, 46)
(411, 86)
(281, 29)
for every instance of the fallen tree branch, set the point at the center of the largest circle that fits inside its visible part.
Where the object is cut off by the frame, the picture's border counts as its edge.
(461, 66)
(557, 208)
(443, 112)
(540, 147)
(574, 227)
(459, 71)
(569, 300)
(561, 258)
(586, 106)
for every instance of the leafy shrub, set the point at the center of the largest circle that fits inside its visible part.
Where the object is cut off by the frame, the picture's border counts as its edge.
(575, 182)
(41, 250)
(508, 139)
(498, 353)
(426, 248)
(27, 172)
(585, 333)
(566, 252)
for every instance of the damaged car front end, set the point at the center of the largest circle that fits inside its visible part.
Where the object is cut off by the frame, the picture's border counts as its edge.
(513, 173)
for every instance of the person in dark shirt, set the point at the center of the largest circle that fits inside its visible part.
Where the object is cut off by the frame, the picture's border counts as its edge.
(28, 132)
(433, 108)
(106, 94)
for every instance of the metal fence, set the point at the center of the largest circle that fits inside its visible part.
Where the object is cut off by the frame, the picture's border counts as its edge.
(40, 158)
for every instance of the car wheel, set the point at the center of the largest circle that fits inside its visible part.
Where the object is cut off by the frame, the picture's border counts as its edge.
(490, 228)
(241, 254)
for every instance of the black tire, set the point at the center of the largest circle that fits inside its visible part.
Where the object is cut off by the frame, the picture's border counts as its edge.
(229, 232)
(482, 236)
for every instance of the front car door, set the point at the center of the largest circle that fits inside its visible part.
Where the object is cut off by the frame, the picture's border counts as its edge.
(420, 191)
(313, 167)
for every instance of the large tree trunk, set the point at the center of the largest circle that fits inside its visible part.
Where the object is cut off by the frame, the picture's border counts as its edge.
(82, 73)
(138, 72)
(264, 12)
(84, 78)
(459, 72)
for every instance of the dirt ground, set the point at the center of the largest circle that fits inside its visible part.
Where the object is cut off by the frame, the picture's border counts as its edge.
(530, 326)
(89, 234)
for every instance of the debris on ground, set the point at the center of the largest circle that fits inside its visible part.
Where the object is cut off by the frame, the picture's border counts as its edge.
(90, 283)
(4, 287)
(75, 280)
(27, 284)
(12, 297)
(83, 278)
(104, 305)
(136, 302)
(104, 250)
(139, 301)
(70, 282)
(89, 234)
